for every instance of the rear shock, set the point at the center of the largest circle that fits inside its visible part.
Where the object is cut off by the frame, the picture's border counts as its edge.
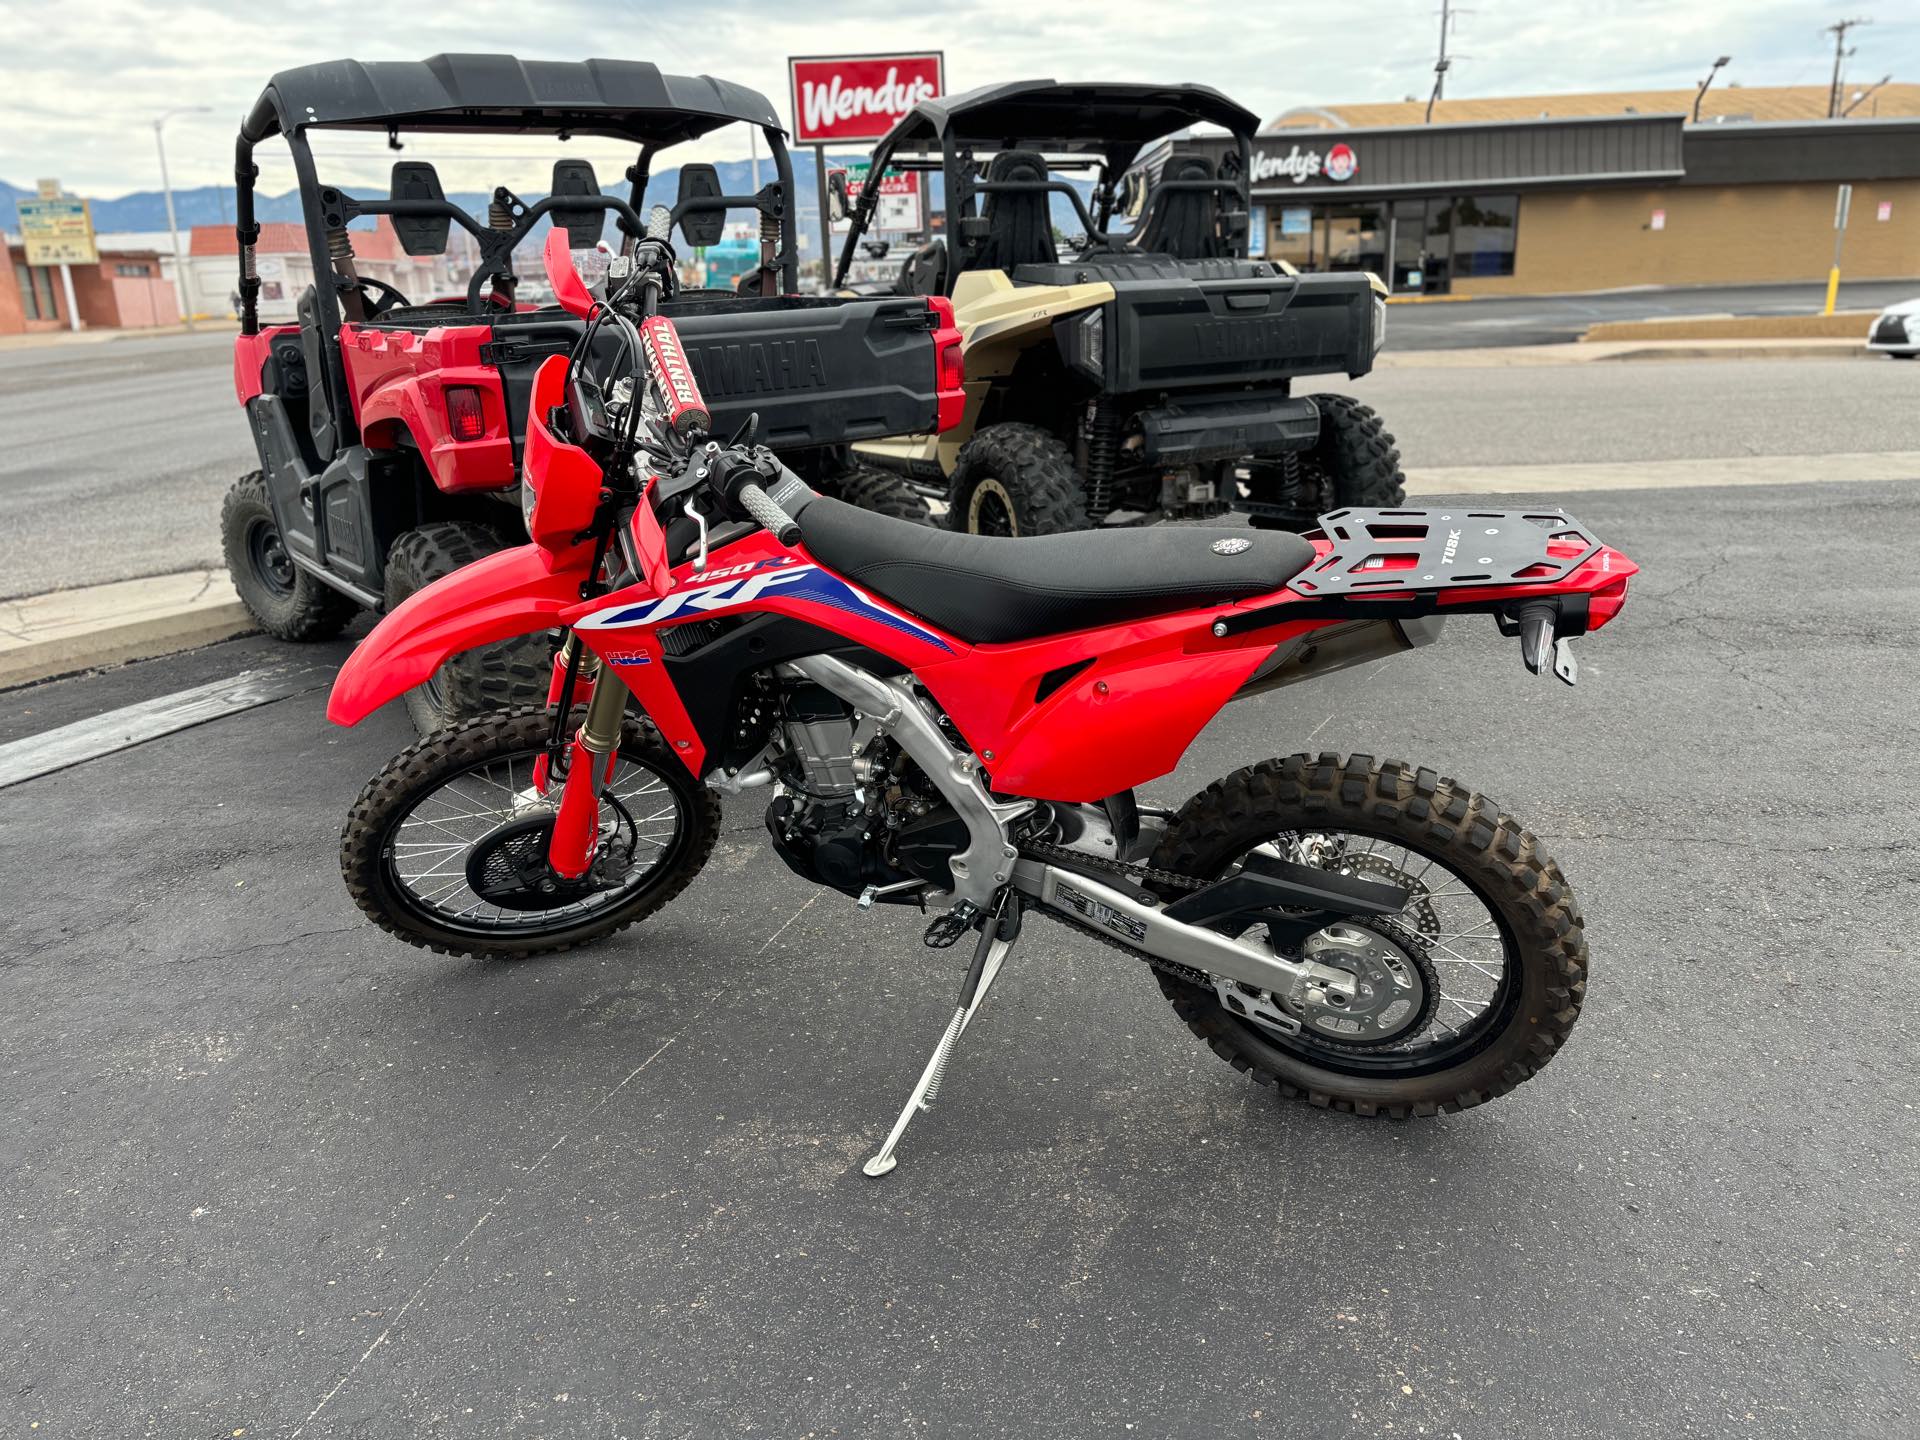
(1102, 454)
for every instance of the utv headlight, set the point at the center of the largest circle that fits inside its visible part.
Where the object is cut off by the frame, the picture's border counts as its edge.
(526, 507)
(1379, 324)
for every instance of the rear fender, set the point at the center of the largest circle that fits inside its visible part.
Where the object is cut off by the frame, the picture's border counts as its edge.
(515, 592)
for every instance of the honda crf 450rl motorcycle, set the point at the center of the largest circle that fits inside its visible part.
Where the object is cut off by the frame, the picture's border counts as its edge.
(960, 722)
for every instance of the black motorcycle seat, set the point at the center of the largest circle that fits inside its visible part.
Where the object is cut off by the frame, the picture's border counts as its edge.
(989, 590)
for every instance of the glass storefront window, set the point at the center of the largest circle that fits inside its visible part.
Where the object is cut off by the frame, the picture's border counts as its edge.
(1356, 239)
(1290, 235)
(1436, 239)
(1484, 227)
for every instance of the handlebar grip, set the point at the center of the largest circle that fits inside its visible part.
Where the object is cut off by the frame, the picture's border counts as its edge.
(766, 512)
(667, 363)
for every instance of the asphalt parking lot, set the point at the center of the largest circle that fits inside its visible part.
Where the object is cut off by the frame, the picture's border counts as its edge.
(266, 1171)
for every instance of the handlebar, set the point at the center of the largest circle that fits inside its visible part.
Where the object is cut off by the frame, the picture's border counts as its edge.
(768, 514)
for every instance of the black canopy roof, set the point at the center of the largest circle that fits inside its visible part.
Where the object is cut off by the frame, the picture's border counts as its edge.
(629, 99)
(1045, 114)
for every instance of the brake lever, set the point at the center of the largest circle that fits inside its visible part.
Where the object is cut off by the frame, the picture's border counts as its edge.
(699, 519)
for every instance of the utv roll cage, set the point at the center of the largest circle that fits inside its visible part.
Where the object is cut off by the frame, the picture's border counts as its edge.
(1100, 127)
(475, 94)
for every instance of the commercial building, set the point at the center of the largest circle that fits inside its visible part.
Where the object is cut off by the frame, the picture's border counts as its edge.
(1544, 194)
(127, 288)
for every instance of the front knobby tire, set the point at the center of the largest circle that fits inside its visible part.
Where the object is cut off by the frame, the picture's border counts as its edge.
(286, 601)
(511, 675)
(1505, 866)
(366, 843)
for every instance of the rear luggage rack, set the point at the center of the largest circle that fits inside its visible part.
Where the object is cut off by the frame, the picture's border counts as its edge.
(1407, 552)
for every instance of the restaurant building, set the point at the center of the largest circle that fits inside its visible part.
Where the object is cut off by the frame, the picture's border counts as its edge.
(1558, 193)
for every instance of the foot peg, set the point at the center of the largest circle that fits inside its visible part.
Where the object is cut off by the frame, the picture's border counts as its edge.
(997, 934)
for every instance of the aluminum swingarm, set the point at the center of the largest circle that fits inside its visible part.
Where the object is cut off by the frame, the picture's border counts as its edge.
(993, 882)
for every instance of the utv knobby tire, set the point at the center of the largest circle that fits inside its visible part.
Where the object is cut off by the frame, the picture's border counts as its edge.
(880, 491)
(1352, 464)
(288, 602)
(507, 676)
(431, 762)
(1512, 874)
(1021, 472)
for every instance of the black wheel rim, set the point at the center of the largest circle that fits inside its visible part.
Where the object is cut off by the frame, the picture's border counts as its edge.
(424, 855)
(1476, 998)
(267, 553)
(990, 510)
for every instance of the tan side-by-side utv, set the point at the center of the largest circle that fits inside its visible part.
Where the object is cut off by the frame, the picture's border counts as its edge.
(1129, 377)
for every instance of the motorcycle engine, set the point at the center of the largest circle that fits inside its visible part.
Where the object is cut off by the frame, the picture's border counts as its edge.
(853, 813)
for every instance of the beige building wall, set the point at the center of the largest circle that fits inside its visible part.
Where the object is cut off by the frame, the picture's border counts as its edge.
(1711, 235)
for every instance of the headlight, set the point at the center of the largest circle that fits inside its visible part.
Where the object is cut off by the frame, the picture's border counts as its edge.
(526, 507)
(1379, 324)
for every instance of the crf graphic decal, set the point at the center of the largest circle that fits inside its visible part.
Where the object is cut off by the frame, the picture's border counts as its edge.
(809, 582)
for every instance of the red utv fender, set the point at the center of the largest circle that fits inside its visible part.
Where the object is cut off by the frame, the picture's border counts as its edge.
(514, 592)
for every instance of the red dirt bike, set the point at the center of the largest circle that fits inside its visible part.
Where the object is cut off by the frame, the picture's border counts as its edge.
(961, 720)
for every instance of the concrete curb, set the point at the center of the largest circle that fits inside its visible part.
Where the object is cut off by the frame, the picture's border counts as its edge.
(68, 630)
(1586, 352)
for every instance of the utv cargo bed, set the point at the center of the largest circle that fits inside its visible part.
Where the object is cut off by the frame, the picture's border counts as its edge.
(817, 371)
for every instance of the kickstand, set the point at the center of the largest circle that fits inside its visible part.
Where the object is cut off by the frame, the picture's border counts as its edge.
(998, 931)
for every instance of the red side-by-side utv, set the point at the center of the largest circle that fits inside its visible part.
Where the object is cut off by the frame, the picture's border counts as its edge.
(390, 427)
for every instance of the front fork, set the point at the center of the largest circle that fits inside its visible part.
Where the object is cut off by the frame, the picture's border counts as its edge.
(591, 755)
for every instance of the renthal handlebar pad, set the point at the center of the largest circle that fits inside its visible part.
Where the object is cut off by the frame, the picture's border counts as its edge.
(686, 412)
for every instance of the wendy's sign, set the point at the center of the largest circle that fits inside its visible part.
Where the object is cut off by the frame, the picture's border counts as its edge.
(840, 98)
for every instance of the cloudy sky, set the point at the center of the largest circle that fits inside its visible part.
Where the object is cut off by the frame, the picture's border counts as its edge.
(81, 83)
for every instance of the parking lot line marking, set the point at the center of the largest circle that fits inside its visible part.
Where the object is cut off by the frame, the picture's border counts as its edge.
(1720, 470)
(131, 725)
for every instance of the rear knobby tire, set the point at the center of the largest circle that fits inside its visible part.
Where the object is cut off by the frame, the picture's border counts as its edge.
(288, 603)
(511, 675)
(432, 762)
(1504, 863)
(880, 491)
(1015, 479)
(1352, 464)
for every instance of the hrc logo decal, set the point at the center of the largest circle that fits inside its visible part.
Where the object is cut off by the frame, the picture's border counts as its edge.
(809, 582)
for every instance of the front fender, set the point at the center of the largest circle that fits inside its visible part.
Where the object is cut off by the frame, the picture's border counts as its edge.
(514, 592)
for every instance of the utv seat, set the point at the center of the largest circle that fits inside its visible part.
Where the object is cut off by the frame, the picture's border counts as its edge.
(1019, 223)
(1183, 223)
(925, 270)
(990, 589)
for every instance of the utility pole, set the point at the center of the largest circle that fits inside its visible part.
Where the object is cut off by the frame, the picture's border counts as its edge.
(1440, 67)
(173, 225)
(1839, 31)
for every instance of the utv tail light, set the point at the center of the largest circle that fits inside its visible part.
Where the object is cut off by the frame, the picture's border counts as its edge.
(950, 366)
(466, 418)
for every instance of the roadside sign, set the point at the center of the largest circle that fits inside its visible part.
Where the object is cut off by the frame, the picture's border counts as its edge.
(899, 204)
(49, 189)
(58, 232)
(1842, 206)
(839, 98)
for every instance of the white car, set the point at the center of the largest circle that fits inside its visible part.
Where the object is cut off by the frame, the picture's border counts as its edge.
(1897, 331)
